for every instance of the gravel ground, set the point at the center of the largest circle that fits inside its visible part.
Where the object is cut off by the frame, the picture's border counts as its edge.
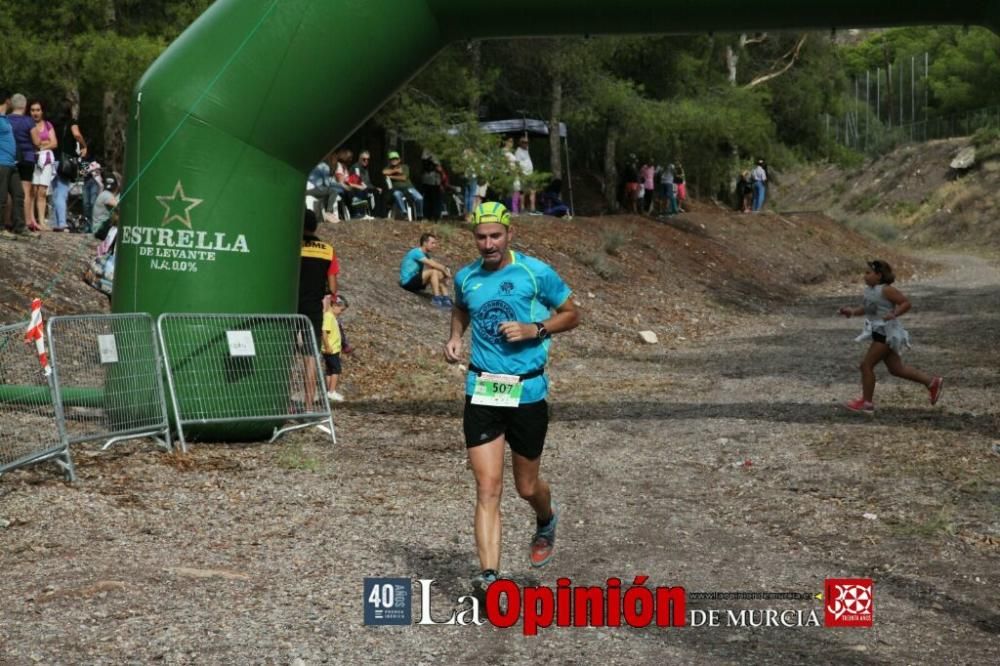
(720, 464)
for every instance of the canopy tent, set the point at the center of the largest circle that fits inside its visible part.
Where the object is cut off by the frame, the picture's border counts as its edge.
(529, 126)
(523, 125)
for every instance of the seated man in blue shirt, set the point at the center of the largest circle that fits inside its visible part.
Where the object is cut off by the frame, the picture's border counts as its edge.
(417, 270)
(513, 303)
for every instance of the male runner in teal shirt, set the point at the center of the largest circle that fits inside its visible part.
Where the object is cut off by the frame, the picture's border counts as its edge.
(509, 299)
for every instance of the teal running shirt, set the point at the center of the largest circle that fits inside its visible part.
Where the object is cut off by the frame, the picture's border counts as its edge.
(411, 266)
(526, 290)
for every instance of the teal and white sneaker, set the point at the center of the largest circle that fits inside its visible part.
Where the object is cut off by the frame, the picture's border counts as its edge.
(482, 581)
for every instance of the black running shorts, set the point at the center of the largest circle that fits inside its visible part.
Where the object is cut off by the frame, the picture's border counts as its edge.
(332, 363)
(416, 284)
(524, 426)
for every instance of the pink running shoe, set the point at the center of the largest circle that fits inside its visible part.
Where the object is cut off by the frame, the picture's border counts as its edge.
(935, 389)
(860, 405)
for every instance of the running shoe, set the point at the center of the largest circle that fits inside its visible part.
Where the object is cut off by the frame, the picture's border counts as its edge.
(935, 389)
(481, 583)
(861, 405)
(544, 543)
(336, 397)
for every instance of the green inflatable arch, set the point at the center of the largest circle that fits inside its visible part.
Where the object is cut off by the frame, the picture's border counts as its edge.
(229, 120)
(227, 123)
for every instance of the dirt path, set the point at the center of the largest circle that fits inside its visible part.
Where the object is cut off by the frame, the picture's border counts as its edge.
(724, 466)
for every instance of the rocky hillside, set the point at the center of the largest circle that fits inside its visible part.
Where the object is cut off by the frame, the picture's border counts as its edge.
(912, 194)
(691, 277)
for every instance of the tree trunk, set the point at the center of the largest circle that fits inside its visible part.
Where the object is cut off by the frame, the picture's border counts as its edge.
(115, 121)
(476, 56)
(890, 99)
(73, 99)
(555, 146)
(610, 170)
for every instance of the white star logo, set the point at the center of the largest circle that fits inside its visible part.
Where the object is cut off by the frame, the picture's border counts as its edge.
(178, 207)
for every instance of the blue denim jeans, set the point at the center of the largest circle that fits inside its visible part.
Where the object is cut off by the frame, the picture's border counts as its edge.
(470, 194)
(90, 192)
(758, 195)
(60, 193)
(415, 196)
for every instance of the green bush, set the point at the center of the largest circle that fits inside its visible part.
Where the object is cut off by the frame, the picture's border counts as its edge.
(875, 226)
(601, 265)
(984, 136)
(613, 241)
(865, 203)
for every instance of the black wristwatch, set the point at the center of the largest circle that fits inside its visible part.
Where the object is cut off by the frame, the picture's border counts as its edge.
(542, 331)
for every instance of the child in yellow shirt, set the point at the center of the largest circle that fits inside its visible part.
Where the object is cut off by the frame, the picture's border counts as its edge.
(332, 344)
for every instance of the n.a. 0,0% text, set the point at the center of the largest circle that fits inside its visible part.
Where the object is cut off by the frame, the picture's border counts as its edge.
(173, 265)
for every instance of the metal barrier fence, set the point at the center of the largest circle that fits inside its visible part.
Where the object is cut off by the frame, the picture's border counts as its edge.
(28, 413)
(108, 379)
(248, 372)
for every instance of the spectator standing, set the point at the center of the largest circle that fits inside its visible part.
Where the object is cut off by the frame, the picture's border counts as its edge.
(430, 185)
(646, 174)
(515, 170)
(10, 179)
(527, 168)
(759, 178)
(471, 188)
(333, 307)
(22, 125)
(744, 192)
(72, 150)
(668, 189)
(399, 175)
(92, 184)
(631, 175)
(43, 135)
(681, 187)
(318, 269)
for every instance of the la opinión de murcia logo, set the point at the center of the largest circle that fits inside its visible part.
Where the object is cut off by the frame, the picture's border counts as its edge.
(849, 602)
(537, 607)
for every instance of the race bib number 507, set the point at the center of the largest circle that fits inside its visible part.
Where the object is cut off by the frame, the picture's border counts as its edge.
(497, 390)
